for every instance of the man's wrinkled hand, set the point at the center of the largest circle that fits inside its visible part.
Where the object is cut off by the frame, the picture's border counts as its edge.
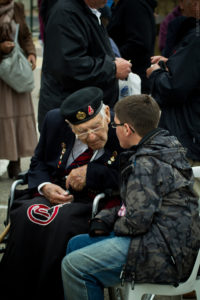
(55, 194)
(6, 47)
(123, 68)
(77, 178)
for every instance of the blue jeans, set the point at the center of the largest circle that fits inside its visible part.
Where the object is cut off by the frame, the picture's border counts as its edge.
(98, 264)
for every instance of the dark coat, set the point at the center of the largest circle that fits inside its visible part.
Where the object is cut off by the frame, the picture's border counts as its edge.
(161, 211)
(132, 27)
(178, 91)
(44, 164)
(77, 54)
(25, 37)
(39, 231)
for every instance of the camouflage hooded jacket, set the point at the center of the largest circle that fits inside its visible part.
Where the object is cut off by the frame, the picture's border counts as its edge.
(161, 211)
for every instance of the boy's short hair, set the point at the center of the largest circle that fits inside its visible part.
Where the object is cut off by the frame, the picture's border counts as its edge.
(140, 111)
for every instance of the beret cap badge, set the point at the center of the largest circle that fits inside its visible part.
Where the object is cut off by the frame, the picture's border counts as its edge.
(81, 115)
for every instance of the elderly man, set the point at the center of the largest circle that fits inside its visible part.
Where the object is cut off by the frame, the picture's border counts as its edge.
(77, 54)
(76, 158)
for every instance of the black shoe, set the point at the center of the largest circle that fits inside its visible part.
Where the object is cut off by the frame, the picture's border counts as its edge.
(13, 168)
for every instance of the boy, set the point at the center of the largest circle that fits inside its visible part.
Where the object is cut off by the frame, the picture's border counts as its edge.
(154, 235)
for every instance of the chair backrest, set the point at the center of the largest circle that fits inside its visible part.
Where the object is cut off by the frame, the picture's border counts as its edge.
(195, 270)
(196, 171)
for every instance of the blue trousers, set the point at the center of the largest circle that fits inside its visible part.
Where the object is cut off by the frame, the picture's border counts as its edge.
(92, 264)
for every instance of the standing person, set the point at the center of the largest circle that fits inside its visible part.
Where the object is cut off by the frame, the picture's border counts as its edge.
(17, 122)
(132, 27)
(176, 12)
(78, 151)
(77, 54)
(154, 236)
(175, 85)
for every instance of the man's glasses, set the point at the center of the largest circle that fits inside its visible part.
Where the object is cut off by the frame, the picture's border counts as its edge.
(114, 125)
(85, 134)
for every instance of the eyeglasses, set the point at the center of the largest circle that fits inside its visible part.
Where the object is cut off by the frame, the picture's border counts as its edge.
(114, 125)
(85, 134)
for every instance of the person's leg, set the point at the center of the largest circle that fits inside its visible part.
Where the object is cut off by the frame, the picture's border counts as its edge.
(83, 240)
(85, 272)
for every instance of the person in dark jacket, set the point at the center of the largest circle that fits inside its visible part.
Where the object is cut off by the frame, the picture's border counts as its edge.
(176, 12)
(132, 27)
(175, 85)
(74, 161)
(154, 236)
(77, 54)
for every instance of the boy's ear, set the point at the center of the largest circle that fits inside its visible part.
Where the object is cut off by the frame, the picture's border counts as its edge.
(127, 129)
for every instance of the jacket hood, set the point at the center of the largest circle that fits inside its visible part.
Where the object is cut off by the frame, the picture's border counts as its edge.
(160, 145)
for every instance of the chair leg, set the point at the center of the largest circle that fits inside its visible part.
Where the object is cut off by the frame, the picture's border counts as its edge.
(197, 291)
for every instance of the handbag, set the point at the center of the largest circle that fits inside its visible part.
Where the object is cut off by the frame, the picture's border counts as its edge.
(130, 86)
(16, 70)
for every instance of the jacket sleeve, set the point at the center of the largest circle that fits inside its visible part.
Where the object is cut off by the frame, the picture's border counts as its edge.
(25, 36)
(39, 171)
(143, 198)
(71, 42)
(174, 87)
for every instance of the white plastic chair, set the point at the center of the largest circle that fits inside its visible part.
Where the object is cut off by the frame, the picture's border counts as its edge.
(192, 284)
(150, 290)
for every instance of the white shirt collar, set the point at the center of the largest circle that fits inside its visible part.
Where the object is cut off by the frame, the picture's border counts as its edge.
(96, 13)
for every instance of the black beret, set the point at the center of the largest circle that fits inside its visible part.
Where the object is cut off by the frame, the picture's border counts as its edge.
(82, 105)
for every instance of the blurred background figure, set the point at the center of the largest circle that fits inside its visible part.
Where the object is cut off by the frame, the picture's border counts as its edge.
(176, 12)
(132, 27)
(17, 121)
(175, 85)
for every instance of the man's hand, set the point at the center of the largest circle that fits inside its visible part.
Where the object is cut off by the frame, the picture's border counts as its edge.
(157, 58)
(6, 47)
(32, 60)
(123, 68)
(77, 178)
(152, 69)
(55, 194)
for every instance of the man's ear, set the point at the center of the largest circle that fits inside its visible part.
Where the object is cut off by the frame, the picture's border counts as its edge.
(107, 112)
(127, 130)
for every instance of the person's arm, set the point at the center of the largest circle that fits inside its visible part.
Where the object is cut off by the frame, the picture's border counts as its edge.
(173, 87)
(70, 47)
(25, 36)
(145, 189)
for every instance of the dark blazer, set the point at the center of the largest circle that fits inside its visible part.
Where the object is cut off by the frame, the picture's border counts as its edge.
(101, 174)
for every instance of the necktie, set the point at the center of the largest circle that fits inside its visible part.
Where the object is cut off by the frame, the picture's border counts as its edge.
(82, 159)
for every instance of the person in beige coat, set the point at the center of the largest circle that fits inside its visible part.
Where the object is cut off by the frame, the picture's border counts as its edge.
(17, 121)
